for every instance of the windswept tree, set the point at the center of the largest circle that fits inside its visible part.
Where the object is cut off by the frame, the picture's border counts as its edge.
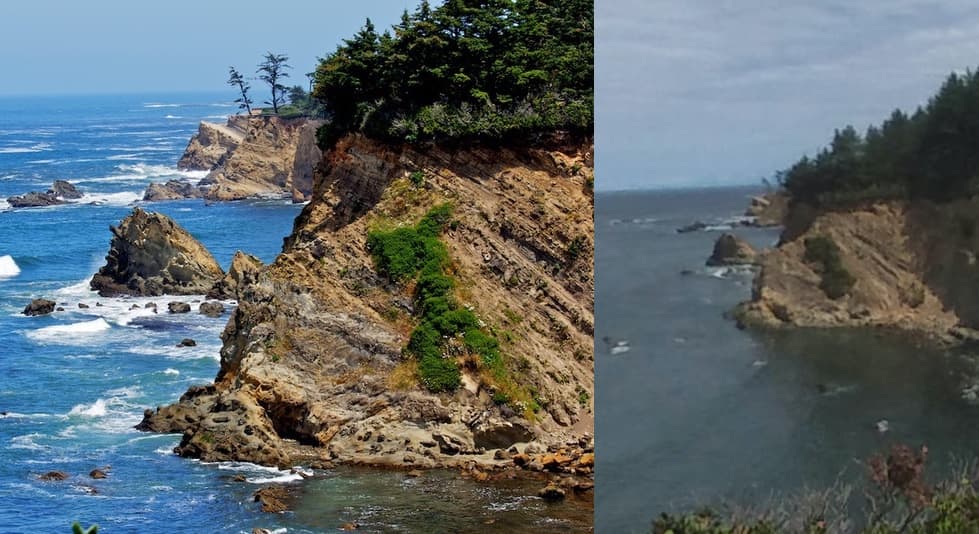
(271, 71)
(235, 79)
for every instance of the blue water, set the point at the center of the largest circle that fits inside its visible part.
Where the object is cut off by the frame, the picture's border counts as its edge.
(73, 384)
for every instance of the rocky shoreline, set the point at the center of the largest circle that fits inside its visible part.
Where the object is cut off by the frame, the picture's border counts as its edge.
(248, 157)
(312, 371)
(898, 265)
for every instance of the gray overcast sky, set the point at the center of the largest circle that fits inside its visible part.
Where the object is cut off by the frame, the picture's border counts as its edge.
(118, 46)
(708, 92)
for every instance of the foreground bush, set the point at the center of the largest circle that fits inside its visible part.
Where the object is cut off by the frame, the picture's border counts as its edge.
(897, 499)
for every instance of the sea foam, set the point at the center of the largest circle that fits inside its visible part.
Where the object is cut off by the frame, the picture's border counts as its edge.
(8, 267)
(67, 333)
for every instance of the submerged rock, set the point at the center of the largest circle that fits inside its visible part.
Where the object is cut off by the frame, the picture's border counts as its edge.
(97, 474)
(54, 475)
(39, 307)
(187, 342)
(152, 255)
(273, 499)
(60, 191)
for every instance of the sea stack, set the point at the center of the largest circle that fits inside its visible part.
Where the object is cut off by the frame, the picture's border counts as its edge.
(152, 255)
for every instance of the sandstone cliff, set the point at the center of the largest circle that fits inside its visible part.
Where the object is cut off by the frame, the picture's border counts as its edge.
(911, 266)
(249, 157)
(211, 145)
(312, 368)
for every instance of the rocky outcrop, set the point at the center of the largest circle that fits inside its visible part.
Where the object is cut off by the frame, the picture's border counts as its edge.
(172, 190)
(250, 157)
(769, 209)
(60, 192)
(39, 307)
(913, 267)
(729, 249)
(64, 189)
(210, 146)
(312, 369)
(151, 255)
(308, 156)
(243, 271)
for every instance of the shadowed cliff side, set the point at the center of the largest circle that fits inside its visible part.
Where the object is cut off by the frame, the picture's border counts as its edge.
(313, 368)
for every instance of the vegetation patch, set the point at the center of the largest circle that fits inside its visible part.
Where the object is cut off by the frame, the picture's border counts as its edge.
(491, 71)
(836, 280)
(416, 253)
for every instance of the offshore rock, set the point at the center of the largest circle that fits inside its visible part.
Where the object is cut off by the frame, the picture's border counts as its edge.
(152, 255)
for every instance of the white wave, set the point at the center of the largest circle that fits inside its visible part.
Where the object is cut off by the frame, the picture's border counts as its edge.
(171, 371)
(41, 161)
(128, 392)
(4, 205)
(124, 198)
(27, 442)
(68, 333)
(217, 117)
(222, 105)
(289, 477)
(96, 409)
(8, 267)
(124, 157)
(621, 347)
(718, 227)
(172, 117)
(159, 105)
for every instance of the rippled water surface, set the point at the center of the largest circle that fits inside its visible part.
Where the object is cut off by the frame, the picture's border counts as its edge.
(697, 412)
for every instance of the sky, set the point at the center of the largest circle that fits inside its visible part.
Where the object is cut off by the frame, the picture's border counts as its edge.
(127, 46)
(716, 92)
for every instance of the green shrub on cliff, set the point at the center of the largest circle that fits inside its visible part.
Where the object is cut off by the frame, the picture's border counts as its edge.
(496, 70)
(408, 252)
(836, 280)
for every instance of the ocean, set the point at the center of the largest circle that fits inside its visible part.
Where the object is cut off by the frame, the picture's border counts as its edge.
(693, 412)
(73, 384)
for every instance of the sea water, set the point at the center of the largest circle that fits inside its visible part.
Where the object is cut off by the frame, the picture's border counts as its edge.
(74, 383)
(698, 413)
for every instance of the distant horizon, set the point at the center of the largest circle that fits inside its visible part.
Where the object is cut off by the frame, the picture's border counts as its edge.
(700, 92)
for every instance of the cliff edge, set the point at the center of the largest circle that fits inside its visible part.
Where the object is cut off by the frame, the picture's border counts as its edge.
(314, 367)
(910, 266)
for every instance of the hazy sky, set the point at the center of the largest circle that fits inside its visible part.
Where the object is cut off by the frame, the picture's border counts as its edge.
(727, 91)
(100, 46)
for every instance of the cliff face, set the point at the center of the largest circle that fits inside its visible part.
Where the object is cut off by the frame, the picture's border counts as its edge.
(312, 366)
(249, 157)
(914, 267)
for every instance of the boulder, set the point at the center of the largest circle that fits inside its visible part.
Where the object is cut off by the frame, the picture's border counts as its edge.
(171, 190)
(64, 189)
(692, 227)
(187, 342)
(34, 199)
(152, 255)
(551, 492)
(731, 250)
(54, 475)
(211, 308)
(97, 473)
(178, 307)
(39, 307)
(497, 434)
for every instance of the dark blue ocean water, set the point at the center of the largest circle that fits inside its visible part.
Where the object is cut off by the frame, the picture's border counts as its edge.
(73, 384)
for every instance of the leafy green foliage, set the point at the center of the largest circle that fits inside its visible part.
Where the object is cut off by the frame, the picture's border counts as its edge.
(928, 154)
(836, 280)
(468, 69)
